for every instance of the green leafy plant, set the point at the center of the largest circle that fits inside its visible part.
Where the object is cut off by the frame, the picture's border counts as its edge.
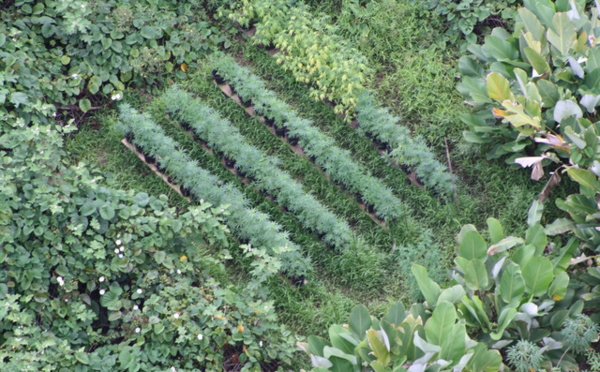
(412, 152)
(90, 48)
(93, 278)
(247, 223)
(464, 15)
(311, 49)
(512, 290)
(337, 162)
(525, 356)
(415, 339)
(221, 136)
(535, 94)
(579, 332)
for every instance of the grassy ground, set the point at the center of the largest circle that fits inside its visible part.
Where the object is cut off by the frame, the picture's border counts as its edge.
(415, 77)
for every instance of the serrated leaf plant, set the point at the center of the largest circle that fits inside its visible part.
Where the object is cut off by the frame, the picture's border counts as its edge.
(337, 162)
(244, 221)
(222, 136)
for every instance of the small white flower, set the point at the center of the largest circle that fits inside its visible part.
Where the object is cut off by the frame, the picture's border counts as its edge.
(136, 307)
(42, 152)
(260, 344)
(139, 290)
(173, 369)
(138, 330)
(102, 291)
(266, 307)
(122, 249)
(200, 336)
(54, 114)
(102, 279)
(120, 256)
(74, 76)
(116, 97)
(66, 300)
(82, 6)
(116, 250)
(176, 315)
(118, 242)
(178, 271)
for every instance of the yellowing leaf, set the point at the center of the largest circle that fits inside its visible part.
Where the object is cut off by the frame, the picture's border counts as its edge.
(184, 67)
(183, 258)
(498, 87)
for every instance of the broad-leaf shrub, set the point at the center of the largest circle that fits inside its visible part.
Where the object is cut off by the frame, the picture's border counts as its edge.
(337, 162)
(221, 136)
(93, 278)
(463, 16)
(59, 51)
(418, 340)
(508, 294)
(246, 223)
(311, 50)
(535, 94)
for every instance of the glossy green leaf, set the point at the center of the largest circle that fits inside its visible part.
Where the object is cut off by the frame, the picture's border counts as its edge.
(430, 289)
(537, 61)
(562, 33)
(476, 275)
(495, 230)
(558, 288)
(360, 321)
(441, 322)
(396, 314)
(498, 87)
(538, 274)
(472, 246)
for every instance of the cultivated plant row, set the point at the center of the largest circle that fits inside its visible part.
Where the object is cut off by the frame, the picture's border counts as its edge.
(336, 72)
(383, 127)
(226, 139)
(321, 148)
(247, 223)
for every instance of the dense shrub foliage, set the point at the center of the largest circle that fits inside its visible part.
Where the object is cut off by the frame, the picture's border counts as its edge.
(93, 278)
(93, 47)
(535, 94)
(508, 294)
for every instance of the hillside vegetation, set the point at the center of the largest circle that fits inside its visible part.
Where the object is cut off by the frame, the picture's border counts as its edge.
(262, 185)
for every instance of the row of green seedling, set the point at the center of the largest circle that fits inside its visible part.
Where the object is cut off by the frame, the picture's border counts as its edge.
(320, 148)
(224, 138)
(336, 72)
(411, 153)
(250, 225)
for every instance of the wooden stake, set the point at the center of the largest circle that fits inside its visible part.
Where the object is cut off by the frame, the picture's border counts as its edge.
(452, 175)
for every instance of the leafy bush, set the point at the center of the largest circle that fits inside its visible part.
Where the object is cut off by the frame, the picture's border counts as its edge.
(535, 94)
(91, 47)
(337, 162)
(510, 294)
(221, 136)
(464, 16)
(311, 49)
(93, 278)
(246, 223)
